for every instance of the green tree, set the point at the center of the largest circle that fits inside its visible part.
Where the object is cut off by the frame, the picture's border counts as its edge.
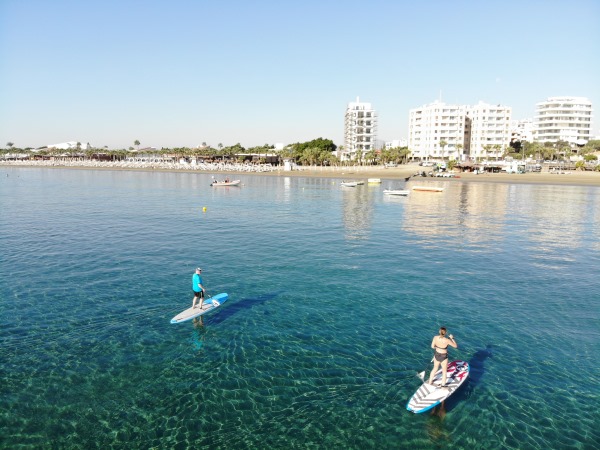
(486, 150)
(371, 157)
(459, 147)
(297, 149)
(359, 156)
(496, 148)
(137, 144)
(562, 147)
(443, 144)
(9, 145)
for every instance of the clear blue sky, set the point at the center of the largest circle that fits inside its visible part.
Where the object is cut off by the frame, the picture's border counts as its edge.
(178, 73)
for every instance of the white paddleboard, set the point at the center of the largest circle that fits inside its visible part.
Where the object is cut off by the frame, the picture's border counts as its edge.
(429, 396)
(210, 304)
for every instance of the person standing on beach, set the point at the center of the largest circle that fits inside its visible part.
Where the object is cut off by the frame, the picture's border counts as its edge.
(440, 345)
(198, 288)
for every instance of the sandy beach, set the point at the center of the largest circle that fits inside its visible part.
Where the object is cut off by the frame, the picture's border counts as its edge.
(574, 178)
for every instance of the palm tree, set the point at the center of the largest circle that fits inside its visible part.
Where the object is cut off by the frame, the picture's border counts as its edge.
(371, 156)
(9, 144)
(496, 148)
(459, 147)
(137, 144)
(359, 155)
(486, 150)
(443, 144)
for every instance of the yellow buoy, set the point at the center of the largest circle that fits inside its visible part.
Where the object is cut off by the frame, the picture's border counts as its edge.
(204, 209)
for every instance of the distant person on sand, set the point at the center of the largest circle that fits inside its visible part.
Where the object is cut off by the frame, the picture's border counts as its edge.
(440, 344)
(198, 288)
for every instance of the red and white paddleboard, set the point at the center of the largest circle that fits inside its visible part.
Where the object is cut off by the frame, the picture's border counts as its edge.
(430, 395)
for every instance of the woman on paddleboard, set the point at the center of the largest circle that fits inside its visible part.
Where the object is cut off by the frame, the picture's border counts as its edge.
(440, 345)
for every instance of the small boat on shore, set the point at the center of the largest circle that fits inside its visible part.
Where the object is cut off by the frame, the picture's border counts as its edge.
(374, 180)
(226, 183)
(402, 192)
(349, 183)
(428, 188)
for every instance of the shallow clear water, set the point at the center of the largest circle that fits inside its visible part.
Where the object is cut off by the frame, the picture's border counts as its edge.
(335, 294)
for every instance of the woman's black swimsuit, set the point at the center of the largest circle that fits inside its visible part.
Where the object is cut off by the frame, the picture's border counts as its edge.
(441, 356)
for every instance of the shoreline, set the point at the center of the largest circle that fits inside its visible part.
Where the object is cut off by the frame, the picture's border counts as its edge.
(575, 178)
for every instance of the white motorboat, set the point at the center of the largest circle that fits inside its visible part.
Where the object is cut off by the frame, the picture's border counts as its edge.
(226, 183)
(403, 192)
(428, 188)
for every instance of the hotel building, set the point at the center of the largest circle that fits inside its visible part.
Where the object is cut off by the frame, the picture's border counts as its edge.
(522, 130)
(563, 119)
(360, 129)
(437, 131)
(459, 132)
(487, 130)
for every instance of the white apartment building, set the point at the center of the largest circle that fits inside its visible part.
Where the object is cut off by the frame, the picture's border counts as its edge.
(563, 118)
(437, 130)
(360, 129)
(522, 130)
(396, 143)
(459, 132)
(487, 131)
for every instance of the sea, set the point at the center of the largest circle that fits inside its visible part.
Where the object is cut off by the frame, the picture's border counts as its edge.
(335, 294)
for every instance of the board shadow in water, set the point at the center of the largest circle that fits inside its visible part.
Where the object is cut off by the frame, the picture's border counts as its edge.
(231, 309)
(476, 372)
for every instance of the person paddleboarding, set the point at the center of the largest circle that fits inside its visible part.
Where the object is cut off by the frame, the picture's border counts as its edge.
(440, 345)
(198, 288)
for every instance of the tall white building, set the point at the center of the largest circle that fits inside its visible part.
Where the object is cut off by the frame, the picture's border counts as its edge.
(563, 118)
(360, 129)
(437, 130)
(522, 130)
(487, 130)
(459, 132)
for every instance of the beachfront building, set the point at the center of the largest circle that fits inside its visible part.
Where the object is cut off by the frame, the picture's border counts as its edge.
(360, 130)
(72, 145)
(522, 130)
(459, 132)
(563, 119)
(437, 131)
(487, 131)
(396, 143)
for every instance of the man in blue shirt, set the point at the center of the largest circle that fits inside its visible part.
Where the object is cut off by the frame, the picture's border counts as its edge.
(197, 288)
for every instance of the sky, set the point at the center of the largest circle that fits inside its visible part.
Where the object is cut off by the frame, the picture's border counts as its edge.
(178, 73)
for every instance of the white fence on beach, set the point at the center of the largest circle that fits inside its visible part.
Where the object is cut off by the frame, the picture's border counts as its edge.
(169, 165)
(89, 163)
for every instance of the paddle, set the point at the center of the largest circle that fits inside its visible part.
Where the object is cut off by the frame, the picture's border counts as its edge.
(421, 375)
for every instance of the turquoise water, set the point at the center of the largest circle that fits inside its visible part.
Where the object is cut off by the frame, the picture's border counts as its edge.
(335, 295)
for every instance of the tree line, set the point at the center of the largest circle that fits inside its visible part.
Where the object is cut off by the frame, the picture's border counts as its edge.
(315, 152)
(318, 151)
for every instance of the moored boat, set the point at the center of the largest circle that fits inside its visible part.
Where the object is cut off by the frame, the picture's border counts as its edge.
(226, 183)
(428, 188)
(403, 192)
